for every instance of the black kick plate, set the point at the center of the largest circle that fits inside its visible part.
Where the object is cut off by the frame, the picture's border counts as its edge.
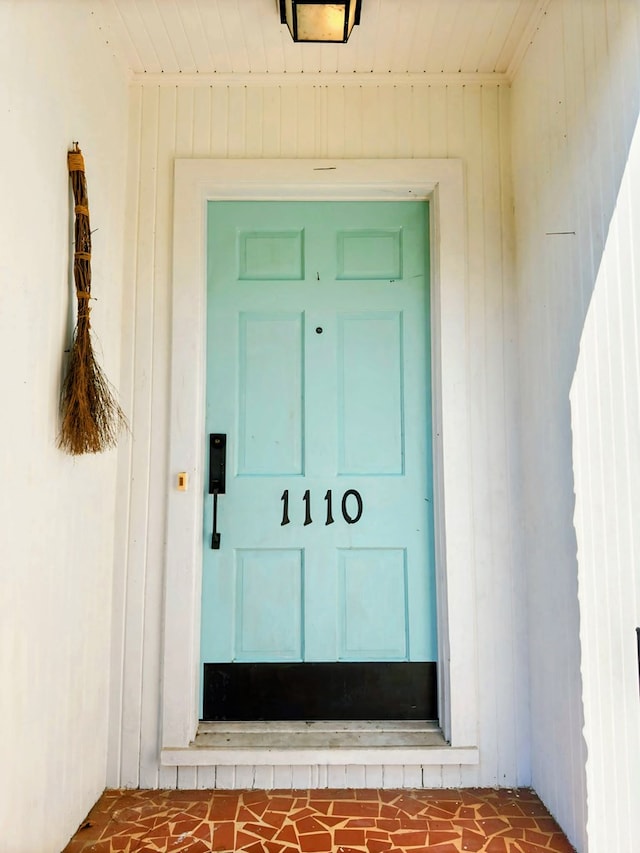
(320, 691)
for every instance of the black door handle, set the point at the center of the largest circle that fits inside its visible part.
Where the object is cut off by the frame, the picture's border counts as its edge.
(217, 478)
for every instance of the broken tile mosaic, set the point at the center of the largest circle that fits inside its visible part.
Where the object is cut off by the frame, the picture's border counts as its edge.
(439, 821)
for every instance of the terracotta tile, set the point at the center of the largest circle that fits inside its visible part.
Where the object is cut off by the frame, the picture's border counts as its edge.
(308, 824)
(531, 823)
(525, 847)
(415, 838)
(377, 845)
(442, 837)
(260, 830)
(545, 824)
(223, 808)
(329, 821)
(342, 849)
(492, 826)
(514, 832)
(281, 804)
(473, 841)
(441, 811)
(245, 815)
(388, 824)
(533, 836)
(244, 841)
(354, 837)
(256, 847)
(387, 810)
(302, 813)
(414, 823)
(319, 842)
(224, 835)
(357, 808)
(559, 844)
(323, 806)
(275, 819)
(286, 834)
(198, 810)
(496, 845)
(376, 821)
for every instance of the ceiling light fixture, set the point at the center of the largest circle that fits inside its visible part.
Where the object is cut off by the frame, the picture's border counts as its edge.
(320, 22)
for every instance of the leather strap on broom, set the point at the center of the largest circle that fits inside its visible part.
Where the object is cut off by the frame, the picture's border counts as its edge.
(91, 416)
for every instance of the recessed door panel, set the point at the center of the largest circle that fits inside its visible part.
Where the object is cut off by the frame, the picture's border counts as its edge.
(269, 605)
(270, 361)
(373, 601)
(370, 404)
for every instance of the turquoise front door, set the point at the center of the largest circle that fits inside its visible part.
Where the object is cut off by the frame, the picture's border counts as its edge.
(319, 380)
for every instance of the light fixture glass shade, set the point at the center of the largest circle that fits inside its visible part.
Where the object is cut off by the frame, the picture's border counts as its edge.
(323, 22)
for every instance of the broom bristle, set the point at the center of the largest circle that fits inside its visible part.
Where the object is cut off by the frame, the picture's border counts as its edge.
(91, 416)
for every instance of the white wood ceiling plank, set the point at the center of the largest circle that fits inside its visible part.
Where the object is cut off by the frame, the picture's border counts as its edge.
(158, 34)
(441, 37)
(193, 25)
(491, 44)
(486, 21)
(424, 25)
(234, 35)
(140, 36)
(525, 20)
(118, 36)
(170, 13)
(459, 32)
(407, 19)
(395, 36)
(329, 57)
(221, 60)
(358, 55)
(310, 54)
(275, 41)
(386, 35)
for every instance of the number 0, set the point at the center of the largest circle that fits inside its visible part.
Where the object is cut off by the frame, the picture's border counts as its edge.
(351, 519)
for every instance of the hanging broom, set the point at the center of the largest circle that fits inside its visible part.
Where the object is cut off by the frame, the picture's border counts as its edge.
(91, 416)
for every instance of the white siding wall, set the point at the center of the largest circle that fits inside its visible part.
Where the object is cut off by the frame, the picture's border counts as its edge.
(605, 403)
(369, 121)
(57, 84)
(575, 102)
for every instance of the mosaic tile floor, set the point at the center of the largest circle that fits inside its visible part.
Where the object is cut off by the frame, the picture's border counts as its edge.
(484, 821)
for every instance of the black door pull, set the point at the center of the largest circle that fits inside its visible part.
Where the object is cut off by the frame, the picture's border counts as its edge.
(217, 478)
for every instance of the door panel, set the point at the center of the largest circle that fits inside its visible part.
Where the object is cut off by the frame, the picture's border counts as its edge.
(319, 375)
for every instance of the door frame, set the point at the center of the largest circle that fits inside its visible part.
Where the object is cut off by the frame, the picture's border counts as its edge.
(441, 182)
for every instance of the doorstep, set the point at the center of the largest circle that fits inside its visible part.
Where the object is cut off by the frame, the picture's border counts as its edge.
(318, 742)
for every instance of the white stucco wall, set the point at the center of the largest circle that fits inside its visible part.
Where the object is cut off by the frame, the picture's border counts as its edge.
(58, 83)
(318, 121)
(575, 103)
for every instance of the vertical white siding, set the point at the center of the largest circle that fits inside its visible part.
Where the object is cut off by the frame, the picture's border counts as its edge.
(367, 121)
(575, 101)
(605, 401)
(59, 84)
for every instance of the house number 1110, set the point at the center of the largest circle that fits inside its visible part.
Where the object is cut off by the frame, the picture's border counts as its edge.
(306, 498)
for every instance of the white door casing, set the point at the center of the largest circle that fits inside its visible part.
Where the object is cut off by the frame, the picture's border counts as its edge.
(439, 181)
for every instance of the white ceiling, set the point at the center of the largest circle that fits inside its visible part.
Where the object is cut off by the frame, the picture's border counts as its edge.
(205, 37)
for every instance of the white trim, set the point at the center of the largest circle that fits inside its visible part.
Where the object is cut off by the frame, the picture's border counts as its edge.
(318, 79)
(199, 756)
(440, 181)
